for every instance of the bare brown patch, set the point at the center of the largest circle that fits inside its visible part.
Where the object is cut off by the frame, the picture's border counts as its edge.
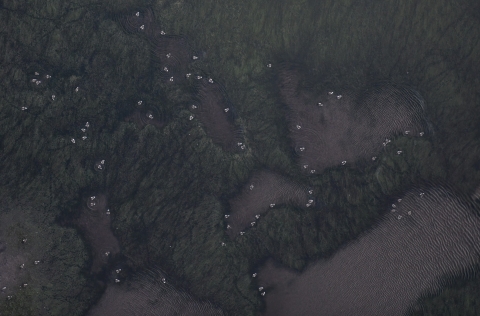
(95, 223)
(214, 112)
(330, 129)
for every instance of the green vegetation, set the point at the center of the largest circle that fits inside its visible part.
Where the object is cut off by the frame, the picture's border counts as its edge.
(167, 187)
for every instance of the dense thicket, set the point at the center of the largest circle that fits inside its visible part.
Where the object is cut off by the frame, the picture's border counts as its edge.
(168, 185)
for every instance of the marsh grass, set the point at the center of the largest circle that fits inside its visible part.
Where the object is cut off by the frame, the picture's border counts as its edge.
(161, 183)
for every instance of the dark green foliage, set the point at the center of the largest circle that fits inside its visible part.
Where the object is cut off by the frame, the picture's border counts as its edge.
(166, 187)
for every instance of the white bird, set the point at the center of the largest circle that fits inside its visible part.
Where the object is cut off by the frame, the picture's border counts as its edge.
(142, 27)
(269, 65)
(137, 14)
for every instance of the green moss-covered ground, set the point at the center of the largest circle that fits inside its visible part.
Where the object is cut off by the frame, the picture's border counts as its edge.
(167, 188)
